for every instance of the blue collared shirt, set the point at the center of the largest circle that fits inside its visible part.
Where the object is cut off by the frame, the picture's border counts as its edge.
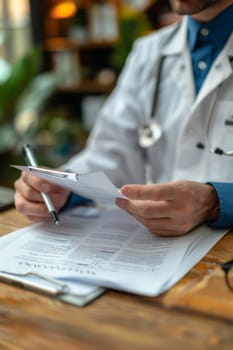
(206, 41)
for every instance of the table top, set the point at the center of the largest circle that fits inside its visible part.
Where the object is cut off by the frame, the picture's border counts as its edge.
(197, 313)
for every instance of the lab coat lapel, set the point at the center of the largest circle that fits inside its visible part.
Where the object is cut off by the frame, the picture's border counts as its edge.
(173, 47)
(183, 75)
(182, 67)
(220, 71)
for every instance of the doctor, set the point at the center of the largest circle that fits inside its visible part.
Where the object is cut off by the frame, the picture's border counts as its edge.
(165, 135)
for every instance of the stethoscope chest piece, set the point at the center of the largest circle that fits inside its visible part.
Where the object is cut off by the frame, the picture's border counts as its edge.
(149, 134)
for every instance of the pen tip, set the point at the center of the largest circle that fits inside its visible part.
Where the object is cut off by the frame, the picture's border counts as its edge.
(54, 216)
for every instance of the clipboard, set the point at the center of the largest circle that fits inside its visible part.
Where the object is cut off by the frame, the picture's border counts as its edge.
(53, 288)
(75, 293)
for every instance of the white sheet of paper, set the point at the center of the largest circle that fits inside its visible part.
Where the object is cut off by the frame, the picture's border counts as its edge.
(95, 186)
(107, 248)
(79, 289)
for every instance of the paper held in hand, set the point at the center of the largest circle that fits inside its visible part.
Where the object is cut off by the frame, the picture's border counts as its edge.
(95, 186)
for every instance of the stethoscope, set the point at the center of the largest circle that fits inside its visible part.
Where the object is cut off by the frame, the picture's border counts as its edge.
(210, 148)
(151, 132)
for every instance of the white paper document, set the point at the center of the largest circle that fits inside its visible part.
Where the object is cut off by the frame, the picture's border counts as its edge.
(107, 248)
(77, 293)
(95, 186)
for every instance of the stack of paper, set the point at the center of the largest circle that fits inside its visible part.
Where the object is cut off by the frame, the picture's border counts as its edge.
(107, 248)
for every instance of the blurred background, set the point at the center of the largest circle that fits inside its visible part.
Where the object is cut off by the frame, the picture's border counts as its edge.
(59, 60)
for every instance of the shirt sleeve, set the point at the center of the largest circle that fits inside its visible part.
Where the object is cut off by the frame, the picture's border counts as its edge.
(225, 195)
(74, 200)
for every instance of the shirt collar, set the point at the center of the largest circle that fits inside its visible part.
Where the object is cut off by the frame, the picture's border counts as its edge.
(223, 21)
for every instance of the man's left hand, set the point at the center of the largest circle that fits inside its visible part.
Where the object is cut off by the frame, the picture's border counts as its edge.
(171, 209)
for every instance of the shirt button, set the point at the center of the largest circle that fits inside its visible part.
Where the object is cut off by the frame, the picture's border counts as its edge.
(205, 31)
(202, 65)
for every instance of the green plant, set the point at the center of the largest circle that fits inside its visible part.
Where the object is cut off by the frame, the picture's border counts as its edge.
(61, 133)
(30, 113)
(11, 90)
(23, 95)
(132, 24)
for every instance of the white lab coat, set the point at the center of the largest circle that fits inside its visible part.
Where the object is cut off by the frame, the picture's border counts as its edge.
(113, 145)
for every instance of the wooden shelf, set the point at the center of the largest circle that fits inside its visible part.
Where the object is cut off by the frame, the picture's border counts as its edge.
(88, 86)
(57, 44)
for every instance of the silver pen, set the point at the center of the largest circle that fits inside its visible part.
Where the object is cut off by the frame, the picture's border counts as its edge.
(31, 160)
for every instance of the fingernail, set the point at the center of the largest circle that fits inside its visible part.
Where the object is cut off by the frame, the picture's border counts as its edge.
(117, 201)
(120, 202)
(124, 191)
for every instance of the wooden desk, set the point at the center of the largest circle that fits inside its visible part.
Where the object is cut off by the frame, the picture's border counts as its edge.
(197, 313)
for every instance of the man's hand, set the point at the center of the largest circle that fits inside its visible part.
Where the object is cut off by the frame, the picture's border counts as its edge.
(171, 209)
(28, 199)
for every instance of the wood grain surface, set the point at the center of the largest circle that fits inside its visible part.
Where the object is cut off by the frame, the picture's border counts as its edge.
(197, 313)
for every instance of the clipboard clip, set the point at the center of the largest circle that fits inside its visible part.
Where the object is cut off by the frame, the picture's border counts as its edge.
(54, 287)
(55, 173)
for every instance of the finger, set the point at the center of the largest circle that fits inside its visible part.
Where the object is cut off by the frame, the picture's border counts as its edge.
(146, 209)
(158, 218)
(28, 192)
(40, 185)
(38, 219)
(154, 192)
(164, 226)
(31, 189)
(59, 199)
(29, 208)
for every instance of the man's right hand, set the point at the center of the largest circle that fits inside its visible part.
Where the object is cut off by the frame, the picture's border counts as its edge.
(29, 201)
